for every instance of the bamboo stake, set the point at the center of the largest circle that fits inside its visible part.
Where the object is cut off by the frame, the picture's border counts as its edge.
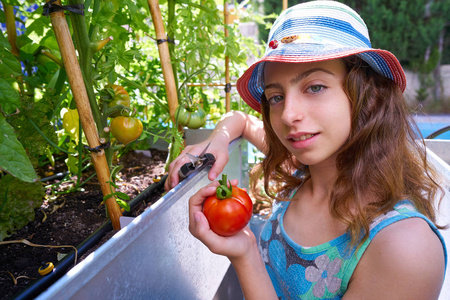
(285, 4)
(166, 64)
(227, 62)
(76, 82)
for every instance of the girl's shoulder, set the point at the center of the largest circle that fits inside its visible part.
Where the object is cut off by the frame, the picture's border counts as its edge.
(406, 253)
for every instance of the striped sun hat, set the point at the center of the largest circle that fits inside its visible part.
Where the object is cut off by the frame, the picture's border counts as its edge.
(317, 31)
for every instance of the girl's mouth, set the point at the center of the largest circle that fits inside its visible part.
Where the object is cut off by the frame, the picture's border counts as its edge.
(303, 137)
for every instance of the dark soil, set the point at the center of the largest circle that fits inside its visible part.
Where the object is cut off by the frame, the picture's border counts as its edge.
(71, 218)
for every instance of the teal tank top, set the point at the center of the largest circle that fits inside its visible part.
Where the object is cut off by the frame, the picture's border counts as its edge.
(324, 271)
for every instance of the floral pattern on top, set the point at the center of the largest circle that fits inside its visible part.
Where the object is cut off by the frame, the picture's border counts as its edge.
(324, 275)
(323, 271)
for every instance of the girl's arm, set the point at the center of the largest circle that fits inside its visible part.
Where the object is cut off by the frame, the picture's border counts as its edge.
(241, 249)
(253, 277)
(404, 261)
(230, 127)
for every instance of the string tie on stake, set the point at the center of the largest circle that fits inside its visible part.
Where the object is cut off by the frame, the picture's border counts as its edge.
(50, 7)
(98, 148)
(227, 87)
(160, 41)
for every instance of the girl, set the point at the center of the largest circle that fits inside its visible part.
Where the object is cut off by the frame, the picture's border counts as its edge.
(353, 215)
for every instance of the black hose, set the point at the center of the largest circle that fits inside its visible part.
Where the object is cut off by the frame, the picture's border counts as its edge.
(63, 266)
(56, 176)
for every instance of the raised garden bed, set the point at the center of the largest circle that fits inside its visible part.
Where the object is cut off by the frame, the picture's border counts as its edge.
(72, 218)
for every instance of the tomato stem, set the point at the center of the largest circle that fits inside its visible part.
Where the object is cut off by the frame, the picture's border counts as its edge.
(223, 191)
(11, 27)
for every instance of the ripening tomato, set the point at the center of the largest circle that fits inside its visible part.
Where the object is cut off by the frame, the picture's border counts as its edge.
(229, 211)
(193, 118)
(121, 97)
(126, 129)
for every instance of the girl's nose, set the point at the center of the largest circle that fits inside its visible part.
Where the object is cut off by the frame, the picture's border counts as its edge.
(291, 111)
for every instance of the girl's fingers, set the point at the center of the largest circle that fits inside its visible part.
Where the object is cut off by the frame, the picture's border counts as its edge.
(218, 166)
(173, 178)
(200, 227)
(234, 182)
(201, 230)
(196, 207)
(196, 201)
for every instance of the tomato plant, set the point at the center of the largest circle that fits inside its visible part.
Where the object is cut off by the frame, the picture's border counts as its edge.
(119, 97)
(193, 118)
(126, 129)
(229, 211)
(115, 48)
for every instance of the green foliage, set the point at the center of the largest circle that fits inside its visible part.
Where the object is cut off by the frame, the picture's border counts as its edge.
(121, 198)
(33, 127)
(18, 200)
(272, 9)
(13, 158)
(406, 28)
(175, 148)
(201, 47)
(9, 98)
(34, 87)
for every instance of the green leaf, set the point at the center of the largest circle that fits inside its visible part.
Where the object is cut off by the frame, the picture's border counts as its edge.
(9, 97)
(11, 2)
(38, 27)
(72, 164)
(20, 200)
(23, 40)
(10, 65)
(122, 196)
(3, 41)
(106, 197)
(113, 184)
(123, 204)
(13, 158)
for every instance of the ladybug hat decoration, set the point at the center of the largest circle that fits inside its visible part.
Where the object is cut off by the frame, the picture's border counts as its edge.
(317, 31)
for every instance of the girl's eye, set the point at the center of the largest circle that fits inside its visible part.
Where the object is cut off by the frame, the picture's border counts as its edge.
(275, 99)
(316, 88)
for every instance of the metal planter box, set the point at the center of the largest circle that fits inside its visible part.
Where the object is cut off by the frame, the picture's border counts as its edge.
(155, 256)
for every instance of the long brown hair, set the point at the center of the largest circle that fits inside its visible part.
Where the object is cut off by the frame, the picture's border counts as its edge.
(382, 162)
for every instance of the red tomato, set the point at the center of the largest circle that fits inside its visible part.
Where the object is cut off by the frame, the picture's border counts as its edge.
(230, 215)
(126, 129)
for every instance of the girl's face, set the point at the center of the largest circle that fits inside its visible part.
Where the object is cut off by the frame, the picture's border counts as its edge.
(309, 111)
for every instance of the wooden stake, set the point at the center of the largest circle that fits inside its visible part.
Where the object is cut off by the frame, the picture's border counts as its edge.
(75, 77)
(166, 64)
(227, 62)
(285, 4)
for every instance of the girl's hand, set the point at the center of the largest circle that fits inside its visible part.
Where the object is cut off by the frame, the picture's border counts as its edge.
(234, 247)
(217, 148)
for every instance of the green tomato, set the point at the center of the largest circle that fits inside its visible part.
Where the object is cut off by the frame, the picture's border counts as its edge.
(121, 97)
(191, 118)
(126, 129)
